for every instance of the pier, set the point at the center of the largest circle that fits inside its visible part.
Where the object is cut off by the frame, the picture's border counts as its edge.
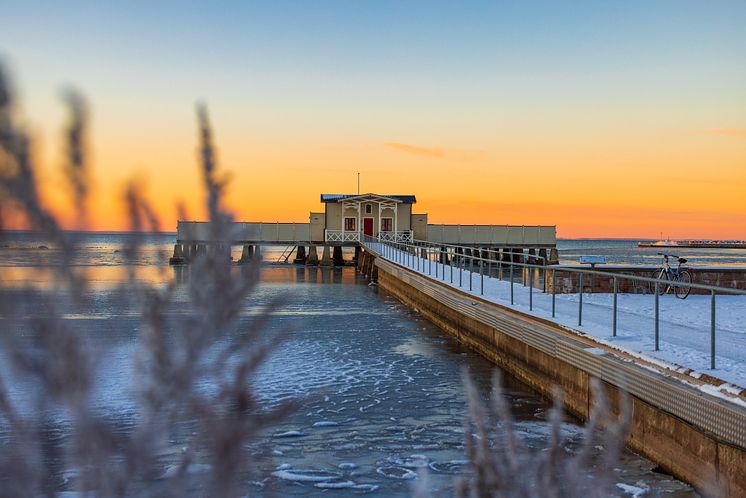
(348, 218)
(691, 424)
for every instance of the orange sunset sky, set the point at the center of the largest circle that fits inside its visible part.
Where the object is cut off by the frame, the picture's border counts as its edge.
(607, 119)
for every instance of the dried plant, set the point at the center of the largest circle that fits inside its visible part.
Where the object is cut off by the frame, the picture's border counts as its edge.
(178, 353)
(503, 465)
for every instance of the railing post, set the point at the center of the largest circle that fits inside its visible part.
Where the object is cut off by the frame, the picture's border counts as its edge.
(554, 290)
(531, 292)
(511, 282)
(613, 326)
(471, 271)
(450, 263)
(481, 277)
(429, 261)
(580, 301)
(657, 317)
(712, 330)
(460, 271)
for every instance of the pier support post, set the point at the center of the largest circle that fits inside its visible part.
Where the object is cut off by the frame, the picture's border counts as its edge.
(543, 256)
(313, 256)
(300, 255)
(358, 252)
(458, 255)
(443, 256)
(258, 252)
(553, 256)
(531, 256)
(178, 257)
(326, 259)
(247, 254)
(338, 257)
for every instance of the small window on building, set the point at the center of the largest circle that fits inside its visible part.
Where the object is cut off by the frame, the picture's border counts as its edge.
(350, 224)
(387, 224)
(368, 209)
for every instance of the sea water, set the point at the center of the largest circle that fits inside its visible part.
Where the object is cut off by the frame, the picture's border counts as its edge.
(381, 390)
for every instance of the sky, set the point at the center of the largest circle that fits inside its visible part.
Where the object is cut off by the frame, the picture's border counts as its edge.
(604, 118)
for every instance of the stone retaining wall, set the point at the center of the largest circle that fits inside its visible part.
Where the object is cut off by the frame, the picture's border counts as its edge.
(567, 281)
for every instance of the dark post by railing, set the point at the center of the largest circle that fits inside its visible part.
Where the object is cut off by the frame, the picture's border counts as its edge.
(580, 301)
(712, 330)
(613, 326)
(460, 270)
(657, 318)
(511, 282)
(471, 271)
(481, 277)
(450, 263)
(554, 292)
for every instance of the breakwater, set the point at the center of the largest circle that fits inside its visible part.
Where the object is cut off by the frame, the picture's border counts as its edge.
(698, 438)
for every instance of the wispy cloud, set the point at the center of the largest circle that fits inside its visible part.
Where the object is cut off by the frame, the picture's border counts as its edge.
(437, 152)
(417, 150)
(729, 132)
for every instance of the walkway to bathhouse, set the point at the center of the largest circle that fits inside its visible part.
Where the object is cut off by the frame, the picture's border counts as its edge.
(684, 325)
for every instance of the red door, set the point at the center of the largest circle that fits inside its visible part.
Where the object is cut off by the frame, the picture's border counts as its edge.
(368, 226)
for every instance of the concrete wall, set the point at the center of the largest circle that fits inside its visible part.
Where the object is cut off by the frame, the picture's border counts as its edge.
(199, 231)
(317, 226)
(694, 454)
(493, 235)
(567, 282)
(419, 226)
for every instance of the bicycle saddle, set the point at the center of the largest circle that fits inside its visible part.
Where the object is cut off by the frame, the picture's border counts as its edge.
(682, 260)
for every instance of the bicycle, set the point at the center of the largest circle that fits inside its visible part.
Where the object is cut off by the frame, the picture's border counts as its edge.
(676, 279)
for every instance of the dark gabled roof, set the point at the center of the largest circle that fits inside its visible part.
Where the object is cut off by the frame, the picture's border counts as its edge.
(406, 199)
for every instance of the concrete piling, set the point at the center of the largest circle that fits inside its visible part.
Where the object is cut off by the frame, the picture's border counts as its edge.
(338, 257)
(532, 256)
(300, 255)
(178, 257)
(326, 259)
(313, 256)
(443, 256)
(553, 256)
(247, 254)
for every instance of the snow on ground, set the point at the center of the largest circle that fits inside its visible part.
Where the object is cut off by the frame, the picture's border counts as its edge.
(684, 327)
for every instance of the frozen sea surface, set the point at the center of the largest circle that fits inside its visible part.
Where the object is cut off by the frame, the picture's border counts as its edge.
(382, 389)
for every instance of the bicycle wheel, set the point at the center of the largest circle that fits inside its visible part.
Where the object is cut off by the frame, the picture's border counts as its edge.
(662, 276)
(682, 287)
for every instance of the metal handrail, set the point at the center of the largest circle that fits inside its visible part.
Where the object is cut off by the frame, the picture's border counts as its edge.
(419, 244)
